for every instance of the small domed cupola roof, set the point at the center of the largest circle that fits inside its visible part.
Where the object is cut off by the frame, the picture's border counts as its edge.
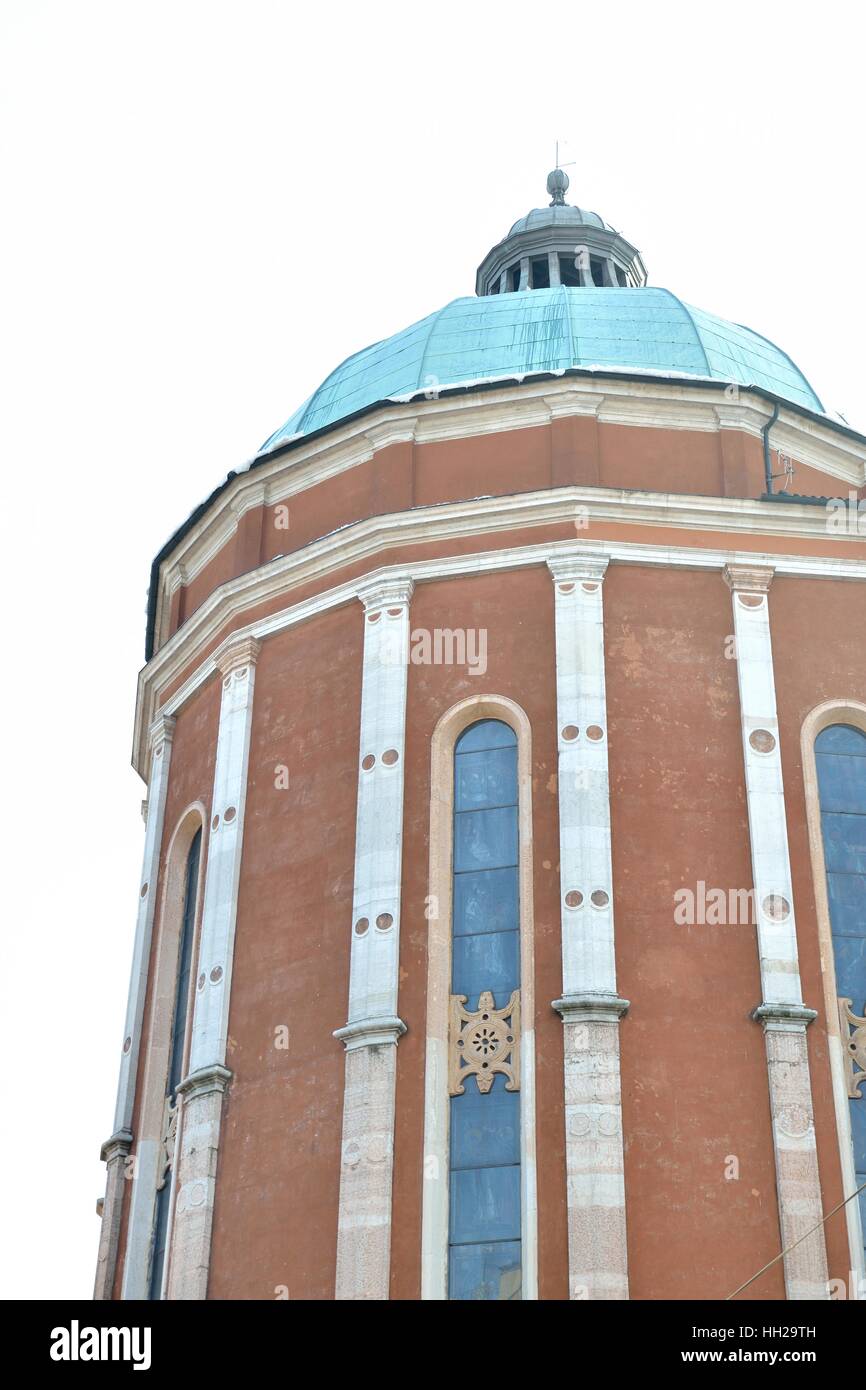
(560, 245)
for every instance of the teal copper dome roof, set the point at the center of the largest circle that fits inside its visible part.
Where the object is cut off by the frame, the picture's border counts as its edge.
(512, 336)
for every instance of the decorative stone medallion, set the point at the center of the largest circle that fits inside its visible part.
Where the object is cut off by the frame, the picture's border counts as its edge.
(854, 1046)
(484, 1042)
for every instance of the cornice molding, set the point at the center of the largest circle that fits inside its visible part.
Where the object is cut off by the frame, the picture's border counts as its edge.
(369, 541)
(166, 667)
(661, 405)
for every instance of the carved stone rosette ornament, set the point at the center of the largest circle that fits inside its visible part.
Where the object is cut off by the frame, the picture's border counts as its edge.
(854, 1043)
(483, 1043)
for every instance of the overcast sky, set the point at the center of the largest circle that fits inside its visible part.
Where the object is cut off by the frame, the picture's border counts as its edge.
(206, 207)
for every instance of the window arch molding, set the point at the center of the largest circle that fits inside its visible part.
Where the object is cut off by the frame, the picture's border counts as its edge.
(851, 712)
(157, 1039)
(434, 1225)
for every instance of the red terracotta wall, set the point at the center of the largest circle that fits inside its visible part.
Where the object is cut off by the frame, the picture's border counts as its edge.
(693, 1064)
(275, 1220)
(571, 450)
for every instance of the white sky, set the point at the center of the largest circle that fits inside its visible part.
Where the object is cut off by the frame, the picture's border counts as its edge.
(206, 207)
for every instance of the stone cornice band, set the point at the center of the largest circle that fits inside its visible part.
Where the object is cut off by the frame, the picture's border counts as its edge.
(169, 662)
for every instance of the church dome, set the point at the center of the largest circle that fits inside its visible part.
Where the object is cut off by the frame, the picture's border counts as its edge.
(559, 215)
(504, 337)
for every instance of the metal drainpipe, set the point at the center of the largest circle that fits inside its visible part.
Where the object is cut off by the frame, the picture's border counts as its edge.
(768, 477)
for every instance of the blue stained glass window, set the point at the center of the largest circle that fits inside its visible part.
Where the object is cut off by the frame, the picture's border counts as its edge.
(484, 1200)
(840, 756)
(175, 1070)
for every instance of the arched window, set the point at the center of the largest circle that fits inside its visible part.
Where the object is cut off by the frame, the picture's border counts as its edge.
(484, 1237)
(840, 758)
(175, 1067)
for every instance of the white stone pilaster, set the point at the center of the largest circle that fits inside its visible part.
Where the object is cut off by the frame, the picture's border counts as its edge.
(590, 1007)
(115, 1151)
(203, 1088)
(781, 1012)
(373, 1027)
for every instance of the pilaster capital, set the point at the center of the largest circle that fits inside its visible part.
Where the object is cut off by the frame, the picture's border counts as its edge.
(205, 1081)
(576, 566)
(591, 1008)
(161, 733)
(379, 593)
(370, 1032)
(235, 652)
(749, 579)
(117, 1146)
(784, 1018)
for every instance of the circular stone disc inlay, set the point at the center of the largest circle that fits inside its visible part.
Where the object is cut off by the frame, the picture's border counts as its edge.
(776, 907)
(762, 741)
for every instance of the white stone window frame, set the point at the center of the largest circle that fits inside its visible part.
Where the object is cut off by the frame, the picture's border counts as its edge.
(157, 1045)
(823, 716)
(436, 1173)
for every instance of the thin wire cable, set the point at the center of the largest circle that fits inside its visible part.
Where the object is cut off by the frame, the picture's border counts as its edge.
(777, 1258)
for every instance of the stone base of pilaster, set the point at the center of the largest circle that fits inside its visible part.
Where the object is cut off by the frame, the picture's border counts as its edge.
(797, 1178)
(597, 1248)
(201, 1116)
(364, 1229)
(115, 1153)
